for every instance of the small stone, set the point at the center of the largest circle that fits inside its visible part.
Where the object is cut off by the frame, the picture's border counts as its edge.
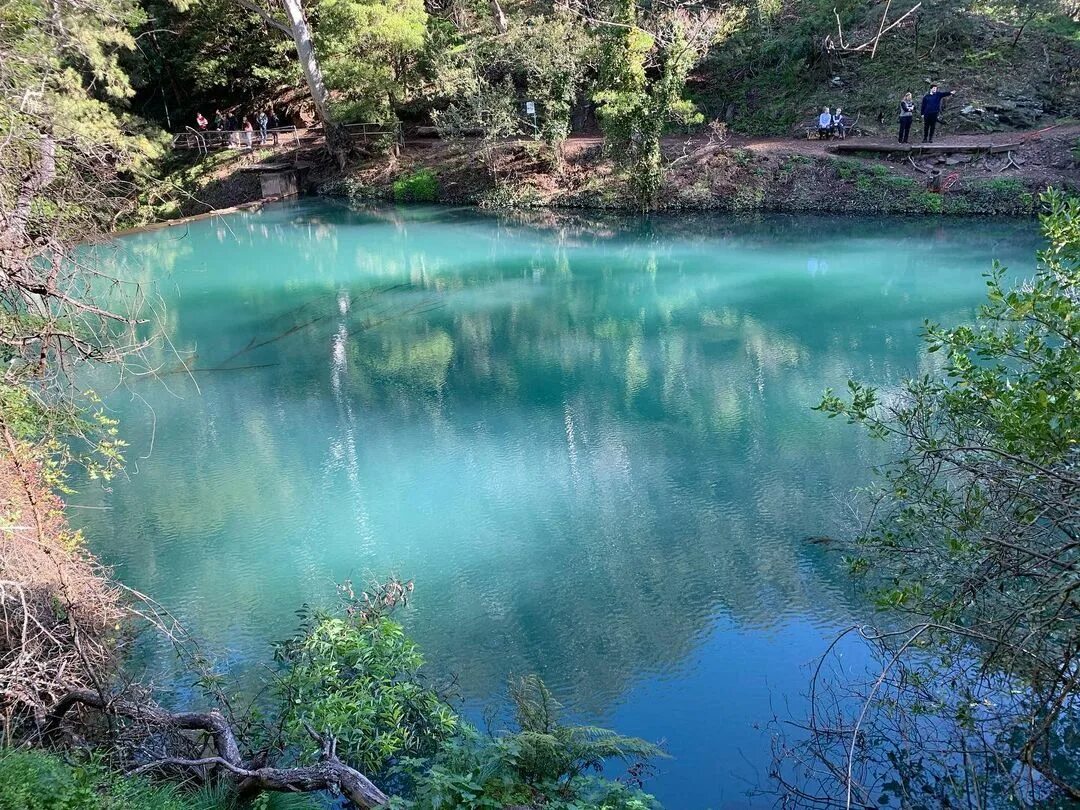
(836, 81)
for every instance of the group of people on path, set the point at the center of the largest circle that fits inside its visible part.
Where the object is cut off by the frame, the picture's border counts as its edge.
(233, 125)
(929, 110)
(831, 124)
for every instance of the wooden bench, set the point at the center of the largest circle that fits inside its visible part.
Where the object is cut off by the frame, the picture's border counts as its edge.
(813, 133)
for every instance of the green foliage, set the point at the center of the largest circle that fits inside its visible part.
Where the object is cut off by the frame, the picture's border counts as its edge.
(483, 108)
(421, 186)
(540, 763)
(36, 780)
(359, 680)
(224, 796)
(71, 157)
(67, 57)
(545, 750)
(33, 780)
(930, 202)
(974, 524)
(635, 107)
(205, 55)
(552, 55)
(370, 51)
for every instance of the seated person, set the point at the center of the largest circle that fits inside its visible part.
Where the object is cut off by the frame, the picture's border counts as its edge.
(825, 123)
(838, 123)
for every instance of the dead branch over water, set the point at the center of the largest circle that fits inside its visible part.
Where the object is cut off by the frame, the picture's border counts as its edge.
(330, 773)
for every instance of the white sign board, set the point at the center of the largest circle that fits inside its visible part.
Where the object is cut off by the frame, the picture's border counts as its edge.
(530, 108)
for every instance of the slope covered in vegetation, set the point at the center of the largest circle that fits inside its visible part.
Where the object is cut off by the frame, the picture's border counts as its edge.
(1013, 65)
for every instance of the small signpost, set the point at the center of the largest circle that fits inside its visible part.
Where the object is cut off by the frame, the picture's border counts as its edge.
(530, 110)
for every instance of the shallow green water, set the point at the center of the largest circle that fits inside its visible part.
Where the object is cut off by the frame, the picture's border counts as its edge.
(587, 440)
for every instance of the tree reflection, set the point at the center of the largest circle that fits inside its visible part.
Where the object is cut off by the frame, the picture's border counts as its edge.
(586, 438)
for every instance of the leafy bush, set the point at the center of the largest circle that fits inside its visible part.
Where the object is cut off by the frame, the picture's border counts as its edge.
(357, 678)
(930, 202)
(33, 780)
(421, 186)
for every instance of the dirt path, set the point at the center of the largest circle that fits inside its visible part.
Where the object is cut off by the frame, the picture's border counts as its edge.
(740, 172)
(1044, 156)
(1041, 149)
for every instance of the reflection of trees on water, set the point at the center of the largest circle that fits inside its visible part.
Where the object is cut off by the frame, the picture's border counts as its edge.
(583, 450)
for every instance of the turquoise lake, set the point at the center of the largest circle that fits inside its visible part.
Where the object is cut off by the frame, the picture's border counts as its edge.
(588, 439)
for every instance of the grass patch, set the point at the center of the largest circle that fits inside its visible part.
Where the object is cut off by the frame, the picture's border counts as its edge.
(35, 780)
(30, 780)
(419, 187)
(929, 202)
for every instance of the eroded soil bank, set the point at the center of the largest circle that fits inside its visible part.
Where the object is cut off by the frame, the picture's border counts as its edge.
(739, 175)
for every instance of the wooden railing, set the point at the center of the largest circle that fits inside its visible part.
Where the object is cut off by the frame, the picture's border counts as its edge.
(373, 129)
(367, 131)
(210, 140)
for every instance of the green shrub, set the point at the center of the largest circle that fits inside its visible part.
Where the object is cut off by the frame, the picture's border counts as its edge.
(359, 681)
(33, 780)
(977, 443)
(846, 170)
(421, 186)
(930, 202)
(1003, 185)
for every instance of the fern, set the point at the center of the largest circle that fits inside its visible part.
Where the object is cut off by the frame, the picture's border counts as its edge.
(544, 750)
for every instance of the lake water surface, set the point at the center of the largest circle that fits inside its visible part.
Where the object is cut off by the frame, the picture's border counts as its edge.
(587, 439)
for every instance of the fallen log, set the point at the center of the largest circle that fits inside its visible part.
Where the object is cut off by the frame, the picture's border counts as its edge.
(330, 773)
(924, 148)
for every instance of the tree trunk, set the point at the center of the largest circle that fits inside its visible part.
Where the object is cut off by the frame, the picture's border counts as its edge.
(498, 16)
(330, 773)
(336, 141)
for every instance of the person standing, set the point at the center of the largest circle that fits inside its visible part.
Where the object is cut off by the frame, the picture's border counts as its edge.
(219, 120)
(200, 119)
(263, 120)
(249, 132)
(907, 113)
(929, 110)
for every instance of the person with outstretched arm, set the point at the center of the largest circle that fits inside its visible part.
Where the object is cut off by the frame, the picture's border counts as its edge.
(929, 110)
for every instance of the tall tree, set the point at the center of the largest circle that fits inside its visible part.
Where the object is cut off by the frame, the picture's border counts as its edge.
(288, 17)
(648, 55)
(370, 49)
(202, 56)
(69, 153)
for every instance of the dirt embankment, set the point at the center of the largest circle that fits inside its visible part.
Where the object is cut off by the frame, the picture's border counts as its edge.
(737, 175)
(60, 613)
